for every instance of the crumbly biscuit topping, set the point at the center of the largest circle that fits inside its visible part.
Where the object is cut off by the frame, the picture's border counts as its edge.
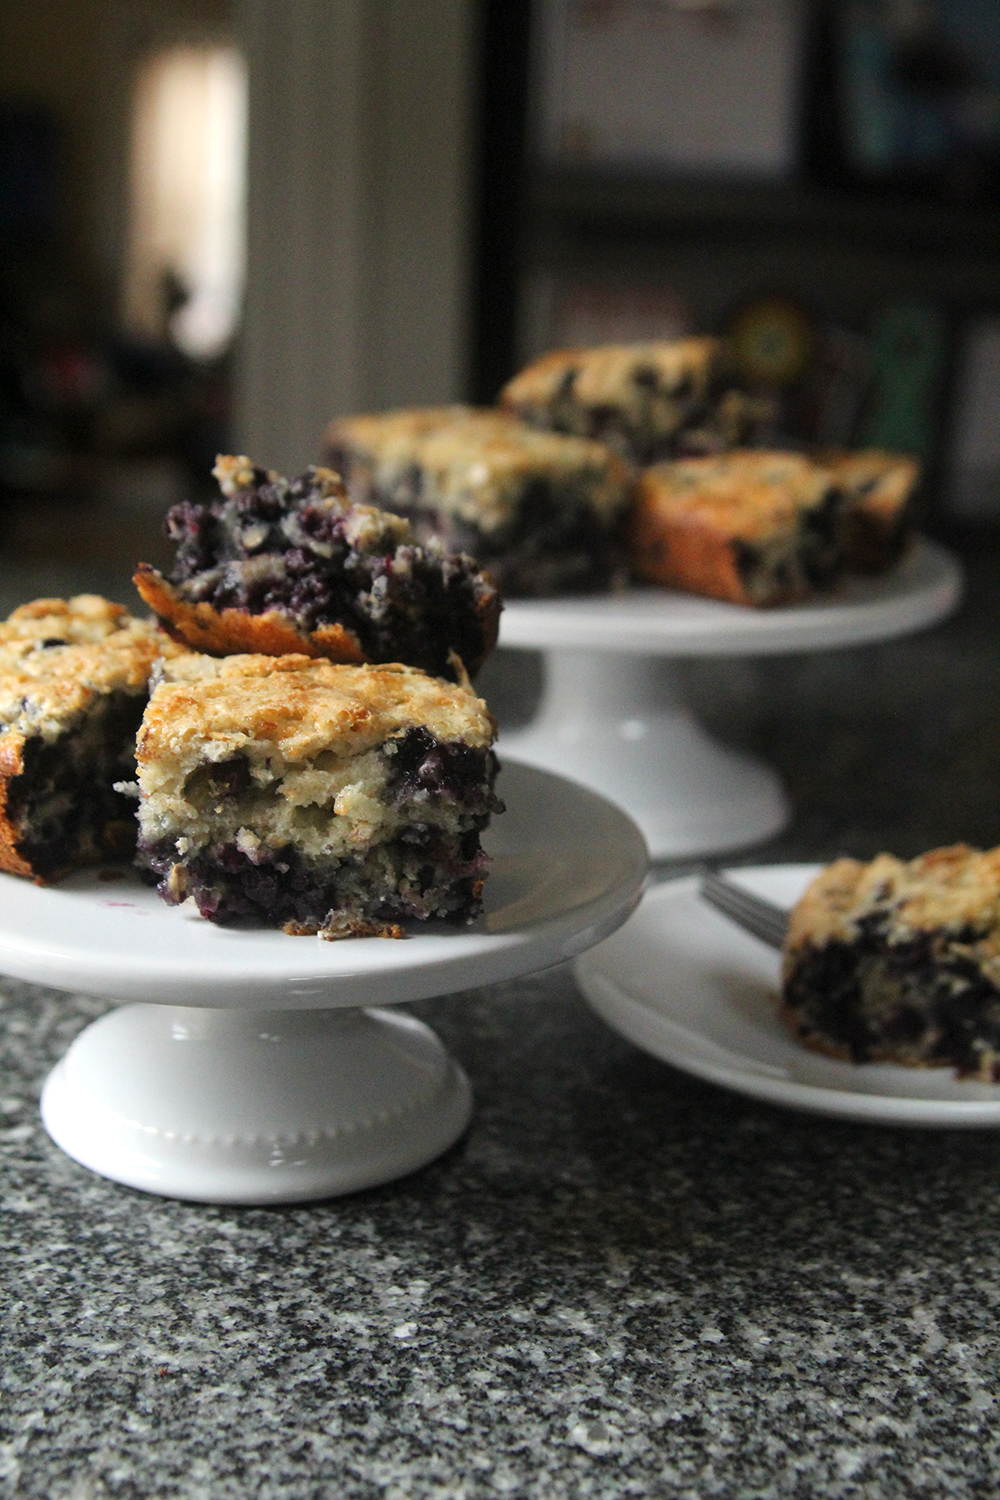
(954, 888)
(879, 481)
(297, 707)
(477, 465)
(57, 657)
(73, 622)
(608, 376)
(747, 493)
(316, 740)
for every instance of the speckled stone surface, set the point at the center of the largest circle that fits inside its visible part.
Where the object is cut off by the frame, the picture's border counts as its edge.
(621, 1282)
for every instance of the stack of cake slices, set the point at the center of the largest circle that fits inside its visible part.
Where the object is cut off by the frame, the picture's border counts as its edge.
(300, 729)
(643, 462)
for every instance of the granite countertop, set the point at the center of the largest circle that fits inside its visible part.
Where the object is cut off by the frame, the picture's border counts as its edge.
(622, 1281)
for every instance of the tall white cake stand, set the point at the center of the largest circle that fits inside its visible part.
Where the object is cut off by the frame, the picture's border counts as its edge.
(251, 1070)
(614, 714)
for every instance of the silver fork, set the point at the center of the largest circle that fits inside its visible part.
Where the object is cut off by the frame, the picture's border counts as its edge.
(755, 915)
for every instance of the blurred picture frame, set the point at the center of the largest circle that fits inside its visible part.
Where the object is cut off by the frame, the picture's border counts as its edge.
(620, 86)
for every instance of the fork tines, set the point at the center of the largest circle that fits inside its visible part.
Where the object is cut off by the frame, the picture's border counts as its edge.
(761, 918)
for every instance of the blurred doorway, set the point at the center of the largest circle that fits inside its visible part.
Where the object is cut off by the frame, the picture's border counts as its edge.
(185, 258)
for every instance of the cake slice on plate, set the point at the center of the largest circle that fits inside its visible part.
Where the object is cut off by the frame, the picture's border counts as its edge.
(899, 961)
(297, 792)
(879, 489)
(74, 679)
(648, 401)
(751, 526)
(542, 512)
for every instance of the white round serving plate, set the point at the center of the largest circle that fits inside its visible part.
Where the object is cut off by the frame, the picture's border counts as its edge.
(614, 713)
(252, 1070)
(684, 983)
(566, 868)
(924, 586)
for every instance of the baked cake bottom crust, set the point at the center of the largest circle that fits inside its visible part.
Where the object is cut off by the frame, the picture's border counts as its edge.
(423, 874)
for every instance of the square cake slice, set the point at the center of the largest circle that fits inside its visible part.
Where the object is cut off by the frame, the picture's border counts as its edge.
(542, 512)
(879, 488)
(298, 792)
(274, 565)
(74, 681)
(648, 401)
(752, 526)
(897, 961)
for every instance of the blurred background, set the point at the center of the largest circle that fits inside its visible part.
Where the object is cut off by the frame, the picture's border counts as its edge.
(224, 221)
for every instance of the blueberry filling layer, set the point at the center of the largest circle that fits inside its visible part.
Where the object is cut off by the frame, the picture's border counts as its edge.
(922, 997)
(807, 558)
(293, 546)
(259, 848)
(422, 769)
(424, 873)
(661, 421)
(556, 543)
(64, 804)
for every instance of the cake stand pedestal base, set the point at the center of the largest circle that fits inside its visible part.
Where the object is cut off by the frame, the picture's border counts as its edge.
(619, 723)
(244, 1106)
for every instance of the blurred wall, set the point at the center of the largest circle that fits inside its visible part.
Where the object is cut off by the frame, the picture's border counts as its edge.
(74, 58)
(360, 187)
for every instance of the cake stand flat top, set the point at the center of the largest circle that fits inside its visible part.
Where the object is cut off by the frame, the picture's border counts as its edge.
(924, 587)
(567, 869)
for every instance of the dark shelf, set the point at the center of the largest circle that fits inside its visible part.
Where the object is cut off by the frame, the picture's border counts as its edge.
(604, 205)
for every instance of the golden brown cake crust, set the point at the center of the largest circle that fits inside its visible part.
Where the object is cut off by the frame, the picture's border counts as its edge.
(301, 706)
(649, 401)
(42, 691)
(476, 462)
(202, 627)
(82, 619)
(955, 886)
(691, 515)
(605, 376)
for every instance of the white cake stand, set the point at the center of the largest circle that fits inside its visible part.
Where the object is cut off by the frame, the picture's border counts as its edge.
(253, 1072)
(614, 715)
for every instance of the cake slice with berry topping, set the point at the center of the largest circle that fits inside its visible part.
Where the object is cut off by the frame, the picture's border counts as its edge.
(899, 961)
(274, 565)
(321, 797)
(649, 401)
(752, 527)
(542, 512)
(879, 489)
(74, 680)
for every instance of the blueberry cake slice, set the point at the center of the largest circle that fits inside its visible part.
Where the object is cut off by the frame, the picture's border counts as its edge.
(648, 401)
(878, 487)
(541, 511)
(277, 566)
(898, 961)
(74, 681)
(298, 792)
(752, 526)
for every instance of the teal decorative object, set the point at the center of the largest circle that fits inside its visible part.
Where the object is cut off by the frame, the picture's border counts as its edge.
(908, 348)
